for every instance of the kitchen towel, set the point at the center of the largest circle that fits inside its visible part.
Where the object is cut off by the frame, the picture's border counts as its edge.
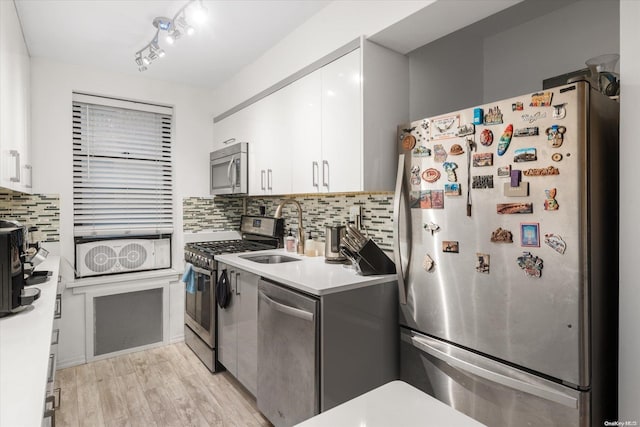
(189, 278)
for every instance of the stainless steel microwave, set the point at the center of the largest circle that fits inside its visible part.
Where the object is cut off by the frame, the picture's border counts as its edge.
(228, 170)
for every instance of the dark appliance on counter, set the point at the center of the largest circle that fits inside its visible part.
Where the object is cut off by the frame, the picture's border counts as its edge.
(13, 295)
(258, 233)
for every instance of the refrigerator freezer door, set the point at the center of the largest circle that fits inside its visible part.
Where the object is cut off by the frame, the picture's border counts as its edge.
(537, 323)
(491, 392)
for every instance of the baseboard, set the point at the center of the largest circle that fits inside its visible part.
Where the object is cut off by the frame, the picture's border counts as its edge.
(177, 338)
(61, 364)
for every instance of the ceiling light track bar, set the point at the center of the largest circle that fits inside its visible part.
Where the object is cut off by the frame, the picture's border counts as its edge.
(175, 28)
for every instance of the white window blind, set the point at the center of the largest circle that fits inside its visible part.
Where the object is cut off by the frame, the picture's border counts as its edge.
(122, 173)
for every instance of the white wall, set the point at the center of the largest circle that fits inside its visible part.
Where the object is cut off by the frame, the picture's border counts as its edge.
(52, 87)
(337, 24)
(629, 368)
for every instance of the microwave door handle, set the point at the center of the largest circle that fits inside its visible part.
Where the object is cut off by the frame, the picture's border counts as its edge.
(229, 172)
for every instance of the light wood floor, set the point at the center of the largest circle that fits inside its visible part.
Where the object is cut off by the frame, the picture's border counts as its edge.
(166, 386)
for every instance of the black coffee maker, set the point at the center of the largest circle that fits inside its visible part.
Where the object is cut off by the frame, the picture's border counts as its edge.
(13, 296)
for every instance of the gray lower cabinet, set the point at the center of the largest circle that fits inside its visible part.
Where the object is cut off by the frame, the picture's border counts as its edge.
(238, 327)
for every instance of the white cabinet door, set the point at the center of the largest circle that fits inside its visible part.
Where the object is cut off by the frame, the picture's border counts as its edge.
(247, 294)
(14, 103)
(305, 127)
(341, 168)
(227, 328)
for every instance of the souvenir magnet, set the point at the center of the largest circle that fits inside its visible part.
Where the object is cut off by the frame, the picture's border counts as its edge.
(421, 151)
(555, 242)
(505, 140)
(427, 263)
(514, 208)
(525, 155)
(450, 246)
(530, 131)
(482, 159)
(530, 118)
(415, 175)
(501, 236)
(504, 171)
(432, 227)
(437, 199)
(516, 176)
(556, 157)
(559, 111)
(431, 175)
(427, 199)
(456, 150)
(555, 134)
(521, 190)
(444, 127)
(549, 170)
(551, 204)
(482, 263)
(517, 106)
(541, 99)
(530, 264)
(530, 234)
(450, 169)
(482, 181)
(486, 137)
(452, 189)
(408, 140)
(440, 154)
(477, 116)
(466, 129)
(493, 116)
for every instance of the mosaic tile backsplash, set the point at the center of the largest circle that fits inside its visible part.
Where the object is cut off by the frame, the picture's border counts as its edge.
(223, 213)
(33, 210)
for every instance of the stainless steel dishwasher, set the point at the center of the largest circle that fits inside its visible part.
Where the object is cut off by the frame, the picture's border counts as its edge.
(288, 342)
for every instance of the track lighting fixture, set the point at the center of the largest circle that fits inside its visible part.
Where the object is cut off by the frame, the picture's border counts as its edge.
(175, 28)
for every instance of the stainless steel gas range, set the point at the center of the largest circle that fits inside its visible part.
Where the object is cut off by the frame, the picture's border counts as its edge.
(258, 233)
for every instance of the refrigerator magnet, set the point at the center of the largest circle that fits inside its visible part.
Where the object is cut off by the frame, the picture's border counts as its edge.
(456, 150)
(445, 127)
(431, 175)
(415, 175)
(517, 106)
(482, 181)
(528, 154)
(549, 170)
(486, 137)
(452, 189)
(530, 264)
(482, 263)
(528, 131)
(559, 111)
(450, 169)
(514, 208)
(408, 142)
(466, 129)
(555, 242)
(451, 246)
(440, 154)
(421, 151)
(427, 263)
(500, 235)
(432, 227)
(541, 99)
(427, 199)
(556, 157)
(555, 135)
(530, 234)
(551, 204)
(493, 116)
(504, 171)
(482, 159)
(505, 140)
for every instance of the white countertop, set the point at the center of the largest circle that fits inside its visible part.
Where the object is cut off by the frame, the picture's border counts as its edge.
(25, 340)
(311, 274)
(395, 404)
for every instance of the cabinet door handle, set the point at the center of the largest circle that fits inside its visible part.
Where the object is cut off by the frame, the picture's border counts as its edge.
(237, 284)
(269, 179)
(314, 173)
(52, 364)
(30, 170)
(57, 313)
(262, 175)
(229, 140)
(16, 155)
(55, 336)
(325, 173)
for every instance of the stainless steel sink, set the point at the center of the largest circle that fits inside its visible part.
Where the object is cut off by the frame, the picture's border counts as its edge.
(269, 258)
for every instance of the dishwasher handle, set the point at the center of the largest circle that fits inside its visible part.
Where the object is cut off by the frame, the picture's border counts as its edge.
(286, 309)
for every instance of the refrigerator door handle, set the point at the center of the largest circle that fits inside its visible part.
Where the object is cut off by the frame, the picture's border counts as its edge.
(423, 344)
(400, 204)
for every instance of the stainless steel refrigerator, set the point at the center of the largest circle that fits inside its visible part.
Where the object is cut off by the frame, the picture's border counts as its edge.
(506, 231)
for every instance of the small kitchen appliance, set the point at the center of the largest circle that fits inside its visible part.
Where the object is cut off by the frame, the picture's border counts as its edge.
(333, 237)
(13, 295)
(228, 170)
(258, 233)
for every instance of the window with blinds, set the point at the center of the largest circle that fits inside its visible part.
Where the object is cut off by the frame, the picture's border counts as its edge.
(122, 171)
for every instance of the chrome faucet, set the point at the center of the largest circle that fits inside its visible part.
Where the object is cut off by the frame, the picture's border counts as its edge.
(278, 214)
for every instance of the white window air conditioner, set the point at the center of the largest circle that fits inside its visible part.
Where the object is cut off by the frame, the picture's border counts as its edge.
(112, 256)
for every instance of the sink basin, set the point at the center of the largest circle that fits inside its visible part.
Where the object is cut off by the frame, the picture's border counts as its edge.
(269, 258)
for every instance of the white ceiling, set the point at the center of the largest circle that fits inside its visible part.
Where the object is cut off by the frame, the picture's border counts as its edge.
(107, 33)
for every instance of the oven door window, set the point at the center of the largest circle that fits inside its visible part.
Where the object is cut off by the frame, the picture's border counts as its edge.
(198, 305)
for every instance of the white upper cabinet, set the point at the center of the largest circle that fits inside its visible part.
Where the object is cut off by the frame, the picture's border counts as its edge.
(15, 164)
(332, 129)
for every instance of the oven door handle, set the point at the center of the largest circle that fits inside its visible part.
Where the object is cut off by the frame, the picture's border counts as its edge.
(202, 271)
